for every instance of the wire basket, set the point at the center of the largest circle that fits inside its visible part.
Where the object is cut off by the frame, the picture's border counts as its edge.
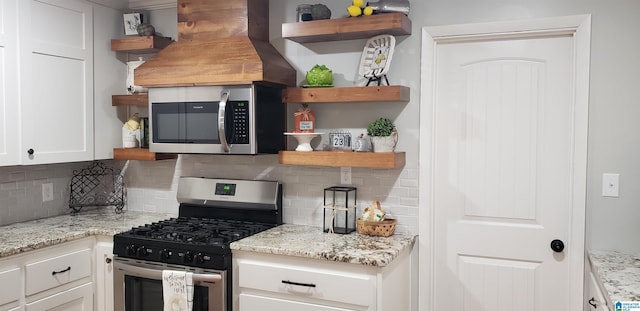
(384, 228)
(97, 185)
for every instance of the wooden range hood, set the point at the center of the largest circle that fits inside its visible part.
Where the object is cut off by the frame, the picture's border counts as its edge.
(220, 42)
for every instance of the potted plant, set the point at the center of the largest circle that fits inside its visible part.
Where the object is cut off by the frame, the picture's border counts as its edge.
(384, 135)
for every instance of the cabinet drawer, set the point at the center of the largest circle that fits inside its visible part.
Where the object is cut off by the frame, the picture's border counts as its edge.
(76, 299)
(54, 271)
(10, 281)
(252, 302)
(352, 288)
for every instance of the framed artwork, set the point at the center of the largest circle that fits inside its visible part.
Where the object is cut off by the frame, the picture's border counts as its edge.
(131, 22)
(376, 58)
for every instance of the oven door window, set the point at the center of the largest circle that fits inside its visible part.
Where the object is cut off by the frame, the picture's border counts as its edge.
(143, 294)
(191, 123)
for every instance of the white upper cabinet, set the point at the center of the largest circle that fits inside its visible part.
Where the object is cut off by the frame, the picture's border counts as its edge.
(56, 49)
(9, 124)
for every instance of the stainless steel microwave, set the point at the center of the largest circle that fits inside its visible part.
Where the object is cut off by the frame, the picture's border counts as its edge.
(240, 119)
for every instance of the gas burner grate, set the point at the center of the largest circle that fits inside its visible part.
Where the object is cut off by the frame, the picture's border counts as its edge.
(199, 230)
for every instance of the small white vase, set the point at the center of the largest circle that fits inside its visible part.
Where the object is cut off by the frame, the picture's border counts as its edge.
(385, 143)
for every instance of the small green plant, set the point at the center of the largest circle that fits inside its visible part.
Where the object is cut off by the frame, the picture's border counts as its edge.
(381, 127)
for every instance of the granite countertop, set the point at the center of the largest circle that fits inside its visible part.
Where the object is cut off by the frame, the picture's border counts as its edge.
(618, 273)
(312, 242)
(287, 239)
(30, 235)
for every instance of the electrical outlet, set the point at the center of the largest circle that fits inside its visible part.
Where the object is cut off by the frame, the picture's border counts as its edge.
(47, 192)
(610, 185)
(345, 175)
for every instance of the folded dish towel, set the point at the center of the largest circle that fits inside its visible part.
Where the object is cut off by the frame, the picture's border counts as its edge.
(177, 290)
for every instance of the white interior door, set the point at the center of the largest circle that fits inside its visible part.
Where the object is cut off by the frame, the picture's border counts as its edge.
(507, 150)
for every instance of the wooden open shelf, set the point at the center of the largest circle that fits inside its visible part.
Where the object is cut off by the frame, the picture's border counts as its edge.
(140, 154)
(393, 160)
(130, 100)
(362, 27)
(346, 94)
(140, 45)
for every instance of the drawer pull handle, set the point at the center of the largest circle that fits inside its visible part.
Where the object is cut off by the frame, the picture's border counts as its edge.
(299, 284)
(61, 271)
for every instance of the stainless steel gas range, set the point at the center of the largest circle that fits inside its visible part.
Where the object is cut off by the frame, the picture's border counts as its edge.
(212, 214)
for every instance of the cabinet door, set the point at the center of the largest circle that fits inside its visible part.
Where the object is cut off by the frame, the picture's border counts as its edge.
(9, 123)
(595, 298)
(104, 276)
(253, 302)
(9, 292)
(56, 81)
(76, 299)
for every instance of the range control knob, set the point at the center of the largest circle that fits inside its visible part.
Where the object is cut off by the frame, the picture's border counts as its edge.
(132, 249)
(188, 257)
(199, 258)
(165, 254)
(142, 251)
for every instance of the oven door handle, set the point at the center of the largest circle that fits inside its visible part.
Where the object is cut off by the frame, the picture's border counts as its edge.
(157, 274)
(221, 122)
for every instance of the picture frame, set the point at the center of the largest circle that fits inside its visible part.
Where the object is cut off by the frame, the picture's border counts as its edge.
(131, 22)
(376, 58)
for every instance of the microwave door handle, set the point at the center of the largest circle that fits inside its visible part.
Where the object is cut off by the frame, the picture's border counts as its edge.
(221, 121)
(157, 274)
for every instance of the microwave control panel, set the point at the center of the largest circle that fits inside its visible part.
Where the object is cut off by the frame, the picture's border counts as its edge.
(240, 112)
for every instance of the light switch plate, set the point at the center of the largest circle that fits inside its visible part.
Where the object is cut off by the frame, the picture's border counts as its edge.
(611, 185)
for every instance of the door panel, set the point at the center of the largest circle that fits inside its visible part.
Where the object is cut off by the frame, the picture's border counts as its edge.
(57, 81)
(502, 175)
(500, 284)
(9, 110)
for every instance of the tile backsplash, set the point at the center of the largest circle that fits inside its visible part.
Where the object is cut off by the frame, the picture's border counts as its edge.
(21, 190)
(151, 186)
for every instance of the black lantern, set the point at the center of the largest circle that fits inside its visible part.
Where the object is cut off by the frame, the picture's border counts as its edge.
(339, 209)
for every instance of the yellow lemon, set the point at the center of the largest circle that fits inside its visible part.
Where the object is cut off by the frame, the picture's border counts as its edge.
(354, 10)
(358, 3)
(367, 11)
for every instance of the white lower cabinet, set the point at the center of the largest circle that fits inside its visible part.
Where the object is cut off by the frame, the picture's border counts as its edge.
(253, 302)
(595, 298)
(10, 281)
(104, 274)
(54, 271)
(276, 282)
(75, 299)
(58, 277)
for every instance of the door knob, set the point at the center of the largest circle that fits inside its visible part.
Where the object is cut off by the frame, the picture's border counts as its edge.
(30, 151)
(557, 246)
